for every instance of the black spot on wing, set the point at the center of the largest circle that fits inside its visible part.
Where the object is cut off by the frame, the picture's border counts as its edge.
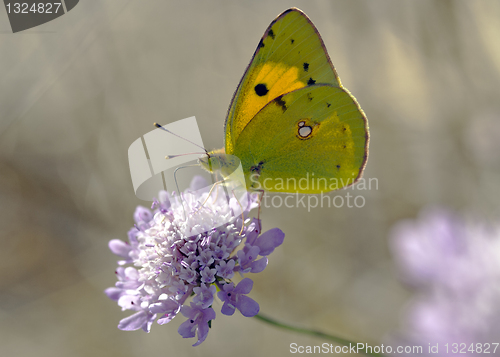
(261, 44)
(271, 34)
(328, 105)
(261, 89)
(292, 41)
(310, 82)
(281, 103)
(257, 168)
(338, 166)
(310, 97)
(306, 66)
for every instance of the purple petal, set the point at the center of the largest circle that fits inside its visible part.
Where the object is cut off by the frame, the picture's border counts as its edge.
(252, 231)
(226, 308)
(131, 273)
(269, 240)
(136, 321)
(119, 248)
(164, 306)
(248, 306)
(142, 214)
(202, 333)
(244, 286)
(132, 235)
(129, 302)
(208, 314)
(147, 326)
(165, 319)
(259, 265)
(114, 293)
(188, 311)
(120, 273)
(187, 329)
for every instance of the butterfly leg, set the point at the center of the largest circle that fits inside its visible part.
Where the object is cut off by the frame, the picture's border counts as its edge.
(177, 185)
(242, 215)
(261, 195)
(209, 194)
(216, 192)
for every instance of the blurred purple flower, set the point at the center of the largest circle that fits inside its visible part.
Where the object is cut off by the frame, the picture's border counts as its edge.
(180, 250)
(454, 265)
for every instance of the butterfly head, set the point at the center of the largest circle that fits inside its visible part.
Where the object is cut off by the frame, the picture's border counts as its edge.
(217, 161)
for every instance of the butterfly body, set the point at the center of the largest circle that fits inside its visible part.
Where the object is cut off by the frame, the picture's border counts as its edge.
(291, 124)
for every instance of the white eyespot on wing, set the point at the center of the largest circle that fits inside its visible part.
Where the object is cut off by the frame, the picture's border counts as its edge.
(304, 131)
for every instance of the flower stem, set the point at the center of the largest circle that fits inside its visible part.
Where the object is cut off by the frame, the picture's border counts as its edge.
(336, 339)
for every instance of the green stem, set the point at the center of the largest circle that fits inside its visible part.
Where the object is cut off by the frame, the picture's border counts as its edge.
(338, 340)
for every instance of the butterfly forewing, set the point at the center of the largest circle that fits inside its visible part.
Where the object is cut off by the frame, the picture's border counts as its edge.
(290, 55)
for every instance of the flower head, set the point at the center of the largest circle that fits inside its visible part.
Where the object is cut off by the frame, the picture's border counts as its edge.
(188, 248)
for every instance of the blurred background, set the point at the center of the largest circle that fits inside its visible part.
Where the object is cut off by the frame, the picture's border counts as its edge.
(77, 91)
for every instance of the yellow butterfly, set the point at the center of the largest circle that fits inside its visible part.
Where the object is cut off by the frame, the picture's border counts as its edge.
(291, 123)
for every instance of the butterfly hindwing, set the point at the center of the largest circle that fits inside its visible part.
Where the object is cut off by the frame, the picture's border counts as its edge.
(310, 140)
(290, 55)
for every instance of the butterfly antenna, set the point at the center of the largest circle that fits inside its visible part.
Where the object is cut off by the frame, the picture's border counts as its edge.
(168, 131)
(191, 153)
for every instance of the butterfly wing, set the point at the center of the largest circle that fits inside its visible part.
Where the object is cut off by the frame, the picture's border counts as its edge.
(311, 140)
(290, 55)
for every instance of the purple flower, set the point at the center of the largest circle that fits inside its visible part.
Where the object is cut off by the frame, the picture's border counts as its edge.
(208, 275)
(454, 264)
(142, 217)
(247, 262)
(226, 269)
(263, 246)
(234, 298)
(142, 214)
(204, 295)
(197, 322)
(183, 249)
(205, 258)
